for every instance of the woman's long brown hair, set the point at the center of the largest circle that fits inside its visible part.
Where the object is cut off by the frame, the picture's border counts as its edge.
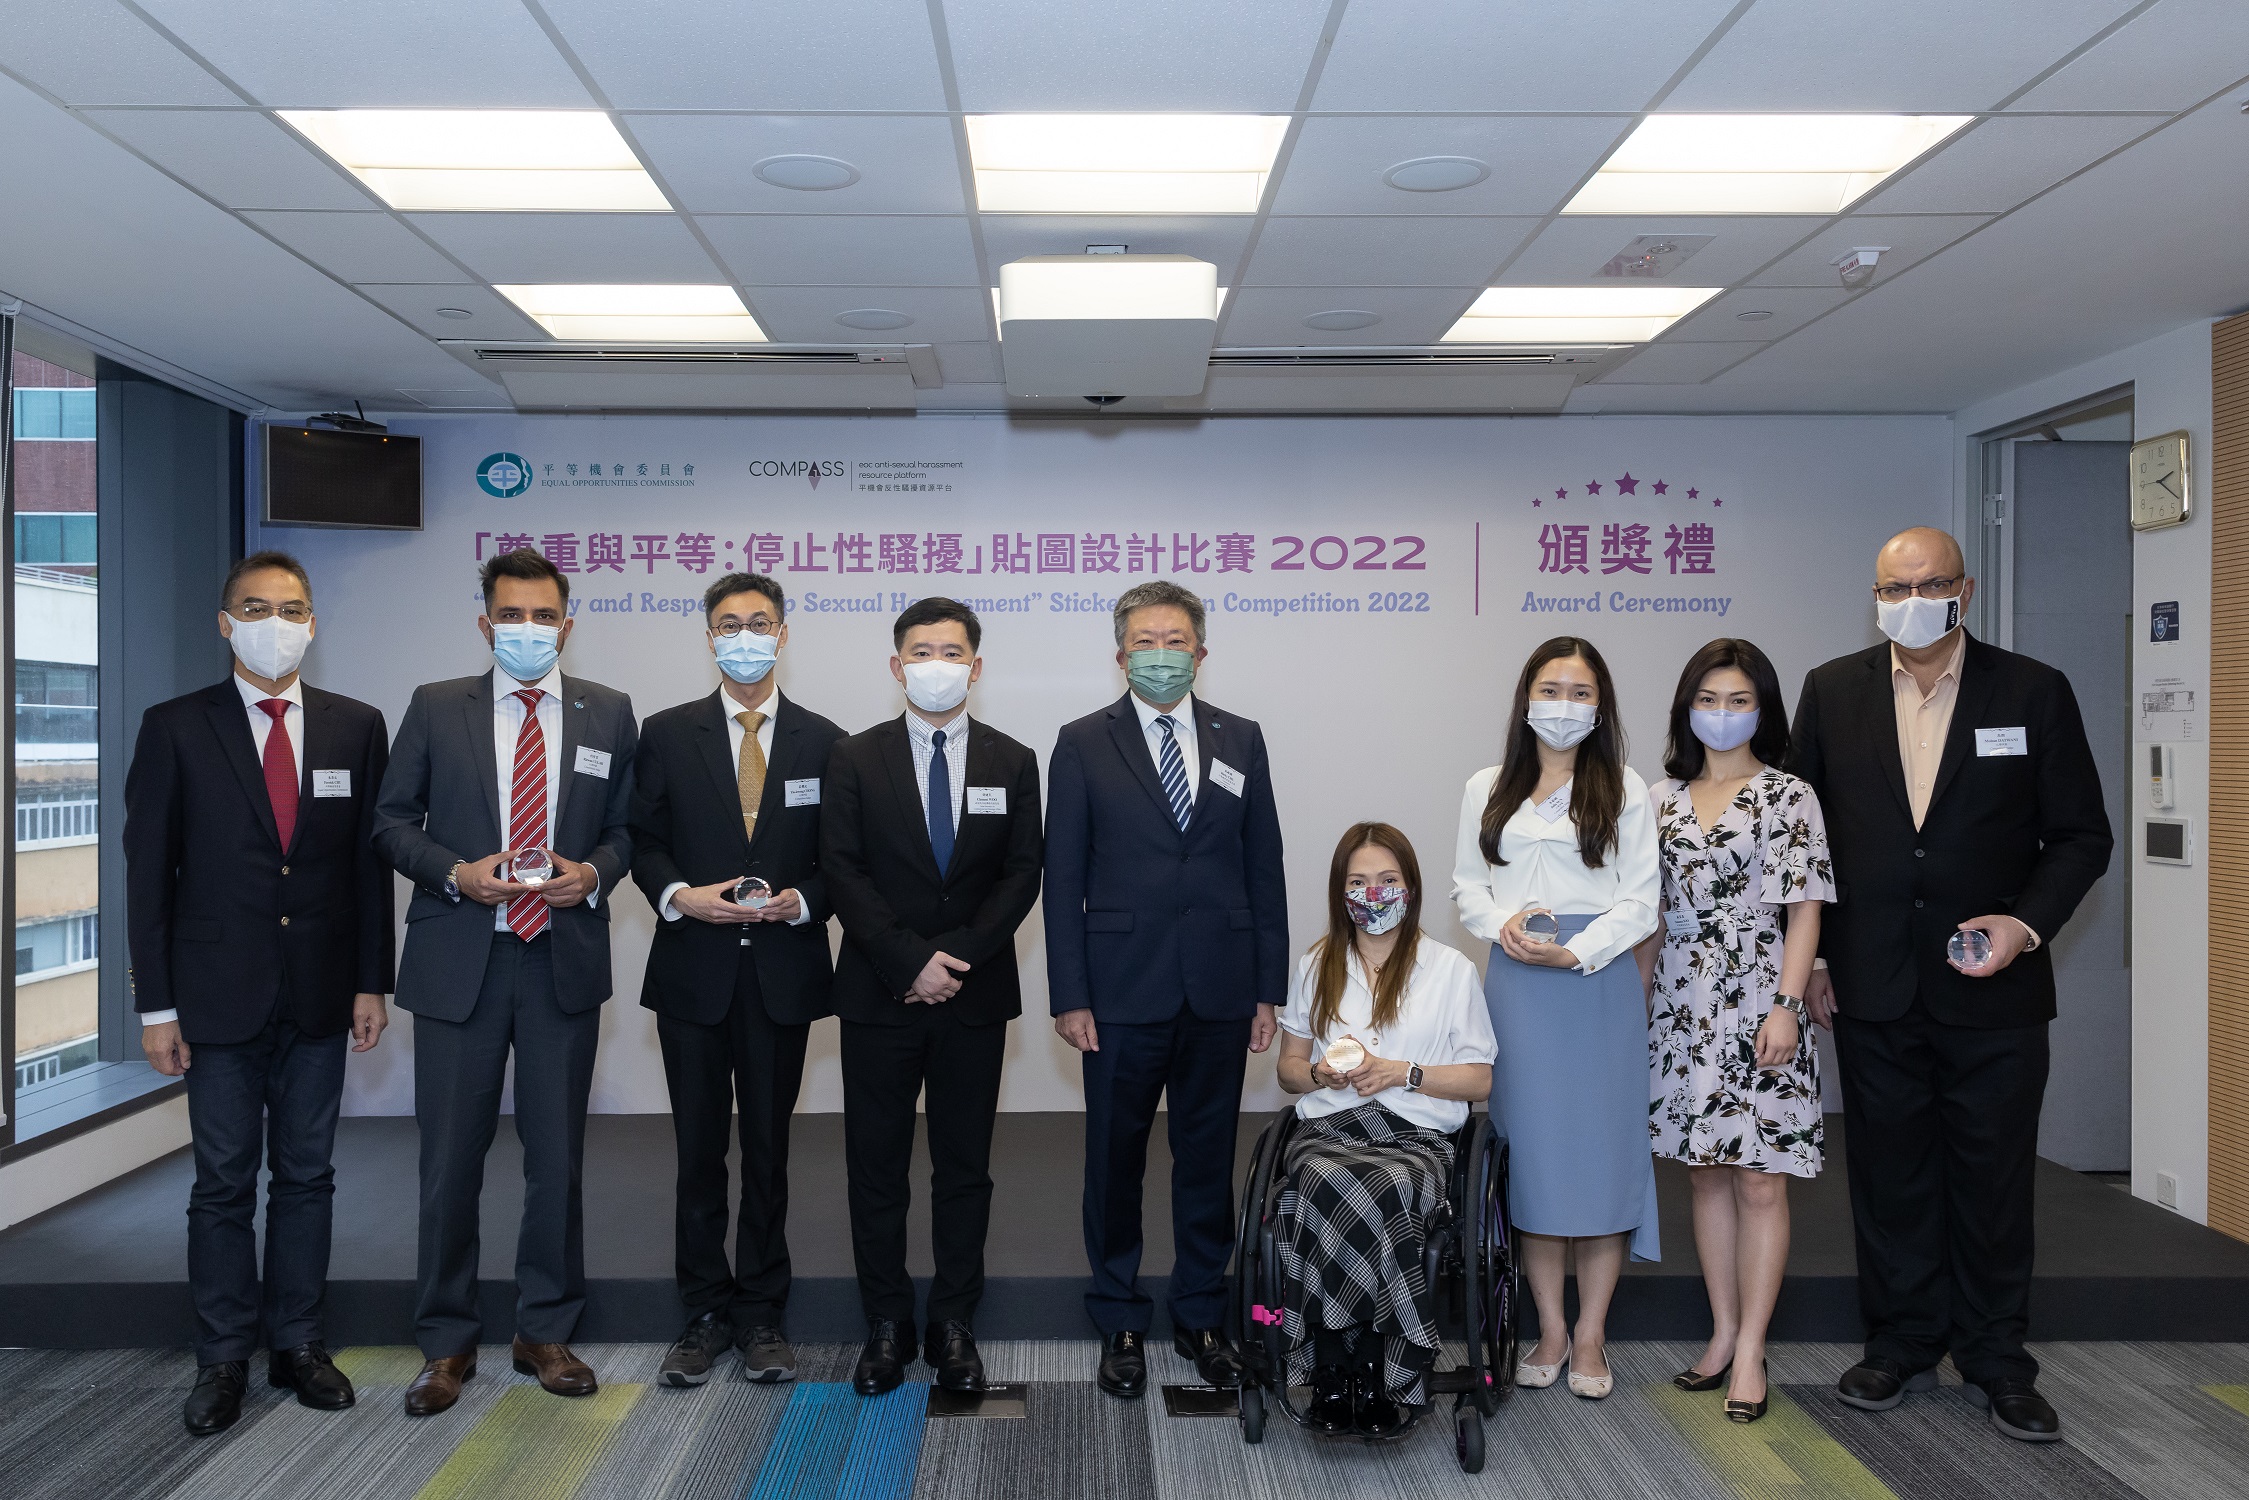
(1597, 797)
(1334, 950)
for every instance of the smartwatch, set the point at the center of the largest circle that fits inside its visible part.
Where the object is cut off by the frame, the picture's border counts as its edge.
(1413, 1078)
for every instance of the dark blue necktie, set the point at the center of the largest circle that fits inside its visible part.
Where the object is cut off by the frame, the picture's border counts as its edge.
(940, 803)
(1173, 773)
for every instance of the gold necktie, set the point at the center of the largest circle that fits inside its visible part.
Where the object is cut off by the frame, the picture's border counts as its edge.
(750, 777)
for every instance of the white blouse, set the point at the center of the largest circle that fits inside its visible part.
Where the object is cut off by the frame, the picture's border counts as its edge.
(1545, 869)
(1441, 1020)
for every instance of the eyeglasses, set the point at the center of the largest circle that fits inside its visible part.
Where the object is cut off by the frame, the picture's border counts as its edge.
(1927, 588)
(755, 625)
(252, 611)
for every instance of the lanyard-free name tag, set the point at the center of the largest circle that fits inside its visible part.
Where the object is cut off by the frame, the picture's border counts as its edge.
(803, 792)
(1227, 777)
(331, 783)
(987, 799)
(2002, 741)
(1682, 921)
(1553, 807)
(592, 762)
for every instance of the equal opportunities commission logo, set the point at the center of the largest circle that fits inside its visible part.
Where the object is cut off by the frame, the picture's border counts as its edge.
(503, 475)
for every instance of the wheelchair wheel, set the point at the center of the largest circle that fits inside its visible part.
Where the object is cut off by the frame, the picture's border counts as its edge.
(1252, 1411)
(1493, 1279)
(1467, 1439)
(1251, 1284)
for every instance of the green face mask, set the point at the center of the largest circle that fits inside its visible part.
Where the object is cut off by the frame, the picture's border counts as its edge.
(1160, 676)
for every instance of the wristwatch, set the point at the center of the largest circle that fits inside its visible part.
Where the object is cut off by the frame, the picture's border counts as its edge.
(1793, 1004)
(1413, 1078)
(453, 879)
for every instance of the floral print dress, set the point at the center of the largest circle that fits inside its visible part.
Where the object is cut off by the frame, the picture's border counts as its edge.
(1725, 895)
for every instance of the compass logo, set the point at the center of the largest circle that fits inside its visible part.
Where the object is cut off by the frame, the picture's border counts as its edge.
(503, 475)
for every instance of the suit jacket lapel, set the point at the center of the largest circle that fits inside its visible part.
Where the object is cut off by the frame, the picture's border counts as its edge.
(1132, 744)
(1206, 750)
(573, 730)
(717, 747)
(784, 759)
(1881, 726)
(980, 770)
(231, 723)
(905, 791)
(319, 719)
(1970, 699)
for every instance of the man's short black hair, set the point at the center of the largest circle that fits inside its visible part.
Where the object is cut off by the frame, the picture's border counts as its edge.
(521, 563)
(253, 563)
(935, 610)
(743, 583)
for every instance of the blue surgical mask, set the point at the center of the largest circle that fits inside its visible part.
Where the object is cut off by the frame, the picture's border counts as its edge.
(1723, 729)
(1160, 676)
(746, 657)
(525, 651)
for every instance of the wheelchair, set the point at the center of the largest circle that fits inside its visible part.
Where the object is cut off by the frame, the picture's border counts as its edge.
(1472, 1264)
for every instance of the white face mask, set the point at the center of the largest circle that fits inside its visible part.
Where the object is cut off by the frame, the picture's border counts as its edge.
(271, 648)
(1722, 728)
(1562, 724)
(936, 687)
(1917, 622)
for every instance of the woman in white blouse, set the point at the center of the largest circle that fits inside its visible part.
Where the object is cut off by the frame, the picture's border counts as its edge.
(1386, 1039)
(1561, 831)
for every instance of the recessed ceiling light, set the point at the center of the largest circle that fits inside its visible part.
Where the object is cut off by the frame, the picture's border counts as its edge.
(553, 160)
(455, 312)
(641, 314)
(1575, 314)
(807, 174)
(1437, 174)
(1756, 164)
(1755, 315)
(1122, 164)
(874, 319)
(1342, 320)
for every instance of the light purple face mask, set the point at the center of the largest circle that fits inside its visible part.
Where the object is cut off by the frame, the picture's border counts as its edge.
(1375, 909)
(1723, 729)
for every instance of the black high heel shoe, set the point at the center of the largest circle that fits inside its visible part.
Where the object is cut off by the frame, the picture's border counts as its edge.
(1692, 1379)
(1746, 1412)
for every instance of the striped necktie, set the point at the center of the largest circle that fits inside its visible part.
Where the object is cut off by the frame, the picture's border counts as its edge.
(1174, 770)
(527, 813)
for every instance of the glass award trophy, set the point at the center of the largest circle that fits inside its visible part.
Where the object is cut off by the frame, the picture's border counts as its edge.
(1345, 1053)
(533, 867)
(1541, 927)
(750, 891)
(1969, 948)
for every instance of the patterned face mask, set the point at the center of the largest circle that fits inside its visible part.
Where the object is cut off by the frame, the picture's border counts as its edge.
(1376, 909)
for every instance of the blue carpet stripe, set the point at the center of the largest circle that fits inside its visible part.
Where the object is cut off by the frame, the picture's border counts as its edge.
(834, 1444)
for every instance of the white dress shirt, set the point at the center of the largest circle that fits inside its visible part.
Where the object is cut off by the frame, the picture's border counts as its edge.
(507, 727)
(1442, 1020)
(921, 738)
(735, 734)
(1545, 869)
(1182, 716)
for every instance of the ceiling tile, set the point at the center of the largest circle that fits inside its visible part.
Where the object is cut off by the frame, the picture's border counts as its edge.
(627, 248)
(1033, 55)
(1996, 164)
(844, 250)
(490, 315)
(1383, 252)
(1909, 237)
(240, 157)
(1572, 250)
(359, 246)
(1717, 320)
(1273, 317)
(1337, 164)
(452, 54)
(969, 364)
(1916, 55)
(1674, 364)
(96, 52)
(807, 314)
(774, 55)
(1218, 240)
(907, 164)
(2167, 58)
(1525, 55)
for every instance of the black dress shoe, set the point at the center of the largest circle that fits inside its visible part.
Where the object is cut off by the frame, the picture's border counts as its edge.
(1373, 1413)
(1330, 1410)
(312, 1374)
(1124, 1366)
(1878, 1384)
(1215, 1359)
(882, 1363)
(2017, 1410)
(216, 1402)
(950, 1349)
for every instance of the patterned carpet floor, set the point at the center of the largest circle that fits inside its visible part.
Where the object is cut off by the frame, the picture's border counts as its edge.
(2149, 1420)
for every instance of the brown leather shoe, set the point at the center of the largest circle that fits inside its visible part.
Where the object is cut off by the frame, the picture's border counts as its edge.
(555, 1367)
(439, 1384)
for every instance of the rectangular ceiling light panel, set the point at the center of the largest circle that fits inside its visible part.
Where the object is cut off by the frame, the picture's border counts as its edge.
(1575, 315)
(1757, 164)
(467, 160)
(1122, 164)
(638, 314)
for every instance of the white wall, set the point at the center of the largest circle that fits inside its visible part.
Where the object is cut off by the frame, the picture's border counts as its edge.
(57, 621)
(2170, 379)
(35, 1183)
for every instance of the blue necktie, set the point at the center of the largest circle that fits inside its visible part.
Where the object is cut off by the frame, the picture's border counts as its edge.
(940, 803)
(1174, 771)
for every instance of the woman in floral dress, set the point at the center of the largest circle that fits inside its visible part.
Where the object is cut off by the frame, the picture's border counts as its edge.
(1734, 1079)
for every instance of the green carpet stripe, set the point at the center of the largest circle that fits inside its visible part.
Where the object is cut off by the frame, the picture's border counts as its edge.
(1781, 1457)
(533, 1446)
(380, 1364)
(835, 1444)
(2235, 1396)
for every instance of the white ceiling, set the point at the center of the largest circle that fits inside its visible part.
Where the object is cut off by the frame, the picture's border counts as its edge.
(148, 194)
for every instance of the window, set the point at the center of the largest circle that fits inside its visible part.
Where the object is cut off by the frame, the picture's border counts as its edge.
(54, 414)
(50, 816)
(56, 537)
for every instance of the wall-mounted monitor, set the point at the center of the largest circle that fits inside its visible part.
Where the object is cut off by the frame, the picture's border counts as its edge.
(318, 476)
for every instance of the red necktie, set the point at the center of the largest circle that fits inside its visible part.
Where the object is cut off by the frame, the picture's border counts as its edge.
(281, 770)
(527, 812)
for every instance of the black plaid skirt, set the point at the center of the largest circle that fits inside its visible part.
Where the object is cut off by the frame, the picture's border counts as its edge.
(1362, 1184)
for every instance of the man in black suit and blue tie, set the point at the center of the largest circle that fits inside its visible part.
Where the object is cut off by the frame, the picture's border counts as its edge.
(1167, 958)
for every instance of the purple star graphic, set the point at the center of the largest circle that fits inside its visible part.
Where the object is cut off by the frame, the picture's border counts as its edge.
(1717, 502)
(1593, 487)
(1661, 487)
(1694, 494)
(1562, 494)
(1628, 485)
(1535, 504)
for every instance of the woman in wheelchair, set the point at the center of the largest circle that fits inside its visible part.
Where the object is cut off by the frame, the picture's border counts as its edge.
(1386, 1038)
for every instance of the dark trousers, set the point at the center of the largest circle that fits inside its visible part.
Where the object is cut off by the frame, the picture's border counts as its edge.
(1941, 1136)
(1195, 1066)
(275, 1096)
(885, 1069)
(459, 1070)
(752, 1060)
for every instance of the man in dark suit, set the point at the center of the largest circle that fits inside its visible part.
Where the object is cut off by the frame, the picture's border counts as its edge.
(931, 848)
(1167, 956)
(260, 924)
(728, 787)
(1960, 796)
(486, 771)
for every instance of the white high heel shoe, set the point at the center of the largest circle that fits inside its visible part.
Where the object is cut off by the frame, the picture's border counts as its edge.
(1538, 1377)
(1592, 1387)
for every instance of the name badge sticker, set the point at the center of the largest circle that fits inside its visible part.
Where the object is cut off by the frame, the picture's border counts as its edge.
(987, 799)
(803, 792)
(2014, 741)
(1227, 777)
(331, 783)
(1553, 807)
(592, 762)
(1682, 921)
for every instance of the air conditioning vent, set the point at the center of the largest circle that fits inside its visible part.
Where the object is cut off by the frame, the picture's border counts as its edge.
(549, 354)
(1424, 357)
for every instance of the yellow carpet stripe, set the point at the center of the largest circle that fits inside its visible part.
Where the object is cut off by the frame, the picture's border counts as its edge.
(2235, 1396)
(533, 1446)
(1784, 1456)
(380, 1364)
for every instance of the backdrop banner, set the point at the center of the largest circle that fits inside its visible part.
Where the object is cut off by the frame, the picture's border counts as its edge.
(1373, 585)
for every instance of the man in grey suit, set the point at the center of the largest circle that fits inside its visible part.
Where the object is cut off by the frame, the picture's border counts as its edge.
(501, 953)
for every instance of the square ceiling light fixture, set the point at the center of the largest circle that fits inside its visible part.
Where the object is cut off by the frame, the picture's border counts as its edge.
(638, 314)
(1575, 314)
(1123, 164)
(468, 160)
(1756, 164)
(1107, 326)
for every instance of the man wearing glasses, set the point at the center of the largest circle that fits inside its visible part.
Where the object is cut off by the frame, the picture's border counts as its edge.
(726, 845)
(1965, 815)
